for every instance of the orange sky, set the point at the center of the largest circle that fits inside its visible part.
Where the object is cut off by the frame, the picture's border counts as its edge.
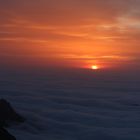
(75, 33)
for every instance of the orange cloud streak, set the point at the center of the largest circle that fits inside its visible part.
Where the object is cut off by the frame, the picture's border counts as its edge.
(70, 33)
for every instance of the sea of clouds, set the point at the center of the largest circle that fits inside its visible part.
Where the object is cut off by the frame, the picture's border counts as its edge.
(73, 108)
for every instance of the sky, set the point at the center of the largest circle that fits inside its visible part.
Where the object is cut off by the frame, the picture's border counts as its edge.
(70, 33)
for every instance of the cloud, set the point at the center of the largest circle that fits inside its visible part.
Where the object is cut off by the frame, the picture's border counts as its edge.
(81, 27)
(64, 10)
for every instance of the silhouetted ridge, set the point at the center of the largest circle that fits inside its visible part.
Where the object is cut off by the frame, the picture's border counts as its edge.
(4, 135)
(7, 116)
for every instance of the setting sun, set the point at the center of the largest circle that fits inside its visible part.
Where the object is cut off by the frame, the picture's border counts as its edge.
(94, 67)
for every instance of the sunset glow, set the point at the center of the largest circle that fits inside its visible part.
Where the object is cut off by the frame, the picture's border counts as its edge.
(71, 68)
(50, 33)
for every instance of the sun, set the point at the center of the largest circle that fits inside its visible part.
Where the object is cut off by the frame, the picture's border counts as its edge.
(94, 67)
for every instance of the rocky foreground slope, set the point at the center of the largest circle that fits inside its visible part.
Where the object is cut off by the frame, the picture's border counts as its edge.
(8, 116)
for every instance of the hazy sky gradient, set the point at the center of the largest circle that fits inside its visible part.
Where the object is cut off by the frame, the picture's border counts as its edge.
(75, 33)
